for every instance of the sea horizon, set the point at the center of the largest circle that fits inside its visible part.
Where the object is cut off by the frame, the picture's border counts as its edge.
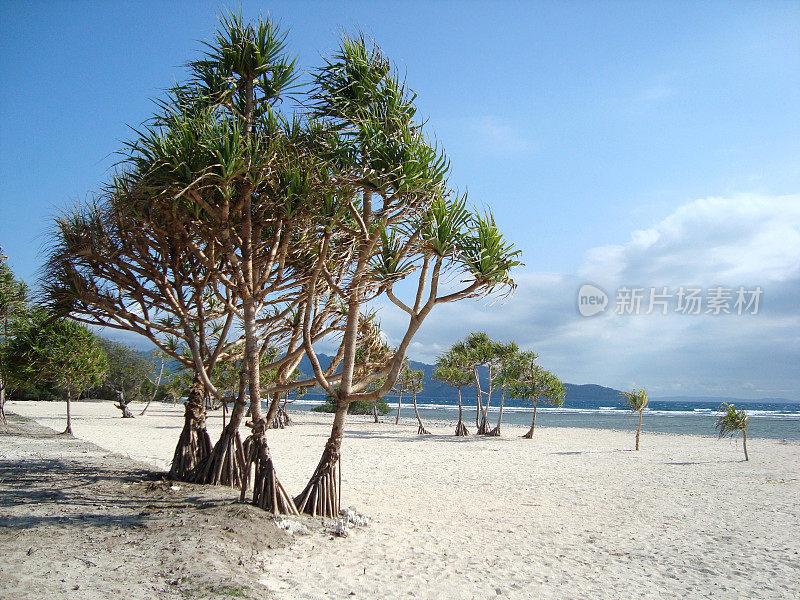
(774, 420)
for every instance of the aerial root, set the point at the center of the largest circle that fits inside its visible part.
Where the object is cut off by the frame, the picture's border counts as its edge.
(226, 463)
(281, 420)
(194, 445)
(268, 492)
(461, 429)
(322, 495)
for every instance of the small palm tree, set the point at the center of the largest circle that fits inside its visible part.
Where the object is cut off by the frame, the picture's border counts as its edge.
(637, 401)
(732, 421)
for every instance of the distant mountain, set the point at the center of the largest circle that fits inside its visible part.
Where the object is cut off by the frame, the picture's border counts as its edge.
(442, 393)
(723, 399)
(446, 394)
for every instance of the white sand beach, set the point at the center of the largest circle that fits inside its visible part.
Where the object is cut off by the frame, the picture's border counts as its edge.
(572, 513)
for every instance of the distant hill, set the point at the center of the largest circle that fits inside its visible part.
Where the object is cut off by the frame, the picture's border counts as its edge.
(723, 399)
(441, 392)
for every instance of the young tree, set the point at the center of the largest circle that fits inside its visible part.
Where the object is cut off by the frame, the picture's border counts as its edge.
(128, 370)
(13, 301)
(535, 384)
(453, 368)
(410, 381)
(637, 401)
(731, 421)
(512, 363)
(156, 376)
(482, 353)
(50, 349)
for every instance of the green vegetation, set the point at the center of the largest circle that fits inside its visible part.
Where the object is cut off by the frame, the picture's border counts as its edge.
(731, 422)
(454, 369)
(240, 220)
(358, 407)
(637, 401)
(127, 373)
(50, 349)
(13, 302)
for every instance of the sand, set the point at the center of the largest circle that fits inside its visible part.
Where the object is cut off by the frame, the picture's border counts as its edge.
(80, 523)
(572, 513)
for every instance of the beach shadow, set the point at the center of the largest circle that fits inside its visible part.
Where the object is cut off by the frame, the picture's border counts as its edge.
(90, 490)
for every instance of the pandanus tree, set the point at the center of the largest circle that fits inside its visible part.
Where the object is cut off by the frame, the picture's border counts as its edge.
(482, 354)
(732, 421)
(409, 381)
(127, 372)
(453, 368)
(535, 384)
(117, 262)
(49, 349)
(202, 229)
(252, 190)
(400, 223)
(512, 363)
(637, 401)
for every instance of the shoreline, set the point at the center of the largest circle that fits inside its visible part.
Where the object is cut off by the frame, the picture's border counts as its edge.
(571, 513)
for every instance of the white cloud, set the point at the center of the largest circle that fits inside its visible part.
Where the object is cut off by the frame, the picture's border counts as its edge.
(741, 241)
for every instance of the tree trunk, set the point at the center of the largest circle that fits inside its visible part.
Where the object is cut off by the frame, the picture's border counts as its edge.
(323, 493)
(155, 390)
(268, 493)
(276, 413)
(638, 430)
(478, 404)
(483, 429)
(68, 430)
(496, 430)
(3, 419)
(529, 435)
(421, 429)
(123, 405)
(744, 444)
(226, 463)
(194, 443)
(399, 403)
(461, 429)
(282, 419)
(375, 411)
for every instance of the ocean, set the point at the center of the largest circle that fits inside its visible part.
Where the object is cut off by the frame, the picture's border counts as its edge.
(777, 420)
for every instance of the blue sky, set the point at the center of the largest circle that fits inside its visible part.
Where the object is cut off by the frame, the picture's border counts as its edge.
(624, 144)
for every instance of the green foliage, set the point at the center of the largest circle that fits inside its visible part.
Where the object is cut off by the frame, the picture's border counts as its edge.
(409, 380)
(128, 370)
(13, 306)
(453, 369)
(48, 349)
(731, 421)
(13, 296)
(531, 382)
(356, 407)
(636, 399)
(487, 255)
